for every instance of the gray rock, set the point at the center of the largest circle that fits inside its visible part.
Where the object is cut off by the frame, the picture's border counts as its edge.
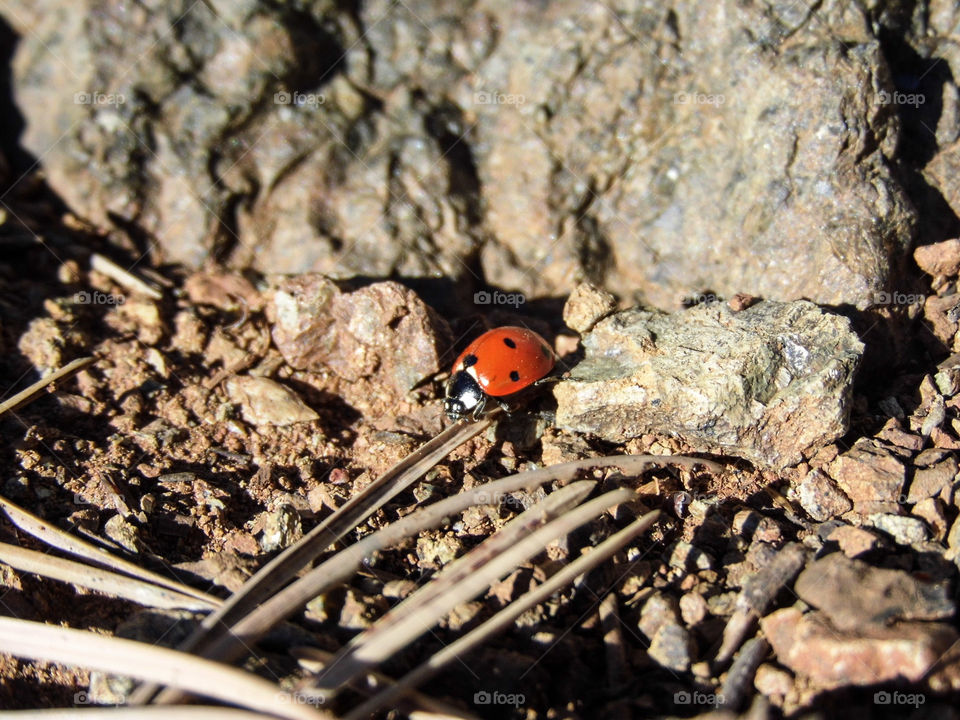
(905, 530)
(287, 138)
(672, 647)
(771, 383)
(854, 595)
(281, 528)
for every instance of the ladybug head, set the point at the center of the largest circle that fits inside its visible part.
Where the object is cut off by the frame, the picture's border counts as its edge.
(464, 396)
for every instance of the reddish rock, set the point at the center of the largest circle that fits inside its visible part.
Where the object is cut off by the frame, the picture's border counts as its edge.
(821, 498)
(942, 258)
(870, 476)
(383, 330)
(809, 645)
(854, 595)
(853, 541)
(930, 481)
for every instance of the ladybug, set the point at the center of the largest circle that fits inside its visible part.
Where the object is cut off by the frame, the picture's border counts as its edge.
(499, 363)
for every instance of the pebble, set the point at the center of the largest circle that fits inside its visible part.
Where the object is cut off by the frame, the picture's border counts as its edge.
(854, 541)
(870, 476)
(808, 644)
(586, 306)
(821, 498)
(672, 646)
(905, 530)
(264, 401)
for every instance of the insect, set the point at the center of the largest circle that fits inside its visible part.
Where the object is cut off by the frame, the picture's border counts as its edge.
(499, 363)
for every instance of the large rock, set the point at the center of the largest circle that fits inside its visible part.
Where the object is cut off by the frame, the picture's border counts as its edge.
(664, 149)
(770, 383)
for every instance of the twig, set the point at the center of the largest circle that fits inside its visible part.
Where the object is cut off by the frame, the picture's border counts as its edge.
(31, 393)
(55, 537)
(108, 267)
(49, 643)
(103, 581)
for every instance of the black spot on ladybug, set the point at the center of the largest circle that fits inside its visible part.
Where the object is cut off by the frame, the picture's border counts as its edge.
(510, 343)
(469, 360)
(514, 375)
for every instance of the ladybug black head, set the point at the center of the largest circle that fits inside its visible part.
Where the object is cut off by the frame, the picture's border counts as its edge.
(464, 396)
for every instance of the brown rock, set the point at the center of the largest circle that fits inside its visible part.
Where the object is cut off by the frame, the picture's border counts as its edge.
(942, 258)
(809, 645)
(854, 595)
(381, 330)
(932, 512)
(893, 434)
(870, 476)
(853, 541)
(930, 481)
(942, 315)
(266, 402)
(771, 681)
(821, 498)
(587, 305)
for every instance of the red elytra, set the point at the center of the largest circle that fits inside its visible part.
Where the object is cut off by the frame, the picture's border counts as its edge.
(499, 363)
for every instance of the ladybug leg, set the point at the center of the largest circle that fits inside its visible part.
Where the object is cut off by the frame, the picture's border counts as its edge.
(478, 408)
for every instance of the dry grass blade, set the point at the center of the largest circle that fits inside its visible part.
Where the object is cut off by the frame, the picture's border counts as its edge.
(505, 617)
(57, 538)
(133, 713)
(97, 579)
(461, 580)
(125, 278)
(288, 563)
(31, 393)
(50, 643)
(342, 565)
(313, 659)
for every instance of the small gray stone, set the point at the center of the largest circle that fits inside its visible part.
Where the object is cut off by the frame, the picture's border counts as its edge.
(122, 532)
(688, 557)
(673, 647)
(905, 530)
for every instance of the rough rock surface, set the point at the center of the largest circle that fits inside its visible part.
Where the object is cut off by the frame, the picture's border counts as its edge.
(770, 383)
(871, 476)
(854, 595)
(809, 644)
(266, 402)
(672, 149)
(382, 329)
